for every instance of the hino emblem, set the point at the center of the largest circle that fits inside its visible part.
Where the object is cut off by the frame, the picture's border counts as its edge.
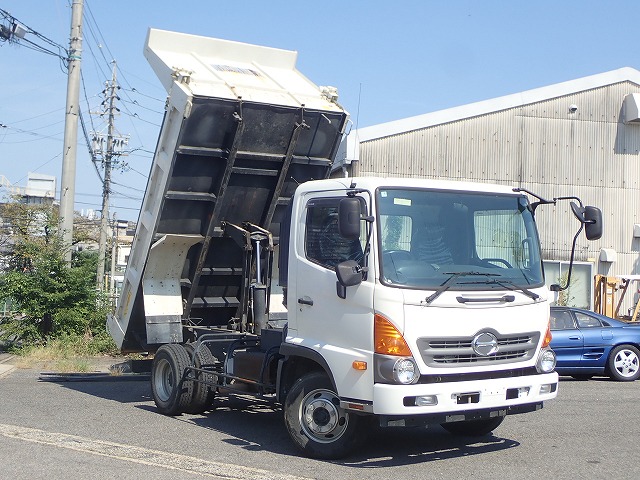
(485, 344)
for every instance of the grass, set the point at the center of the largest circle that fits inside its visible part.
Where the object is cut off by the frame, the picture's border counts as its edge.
(69, 354)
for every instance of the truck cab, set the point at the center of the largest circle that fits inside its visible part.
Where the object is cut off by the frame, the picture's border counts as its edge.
(450, 318)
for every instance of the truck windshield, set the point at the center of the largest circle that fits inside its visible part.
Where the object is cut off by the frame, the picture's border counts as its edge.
(464, 240)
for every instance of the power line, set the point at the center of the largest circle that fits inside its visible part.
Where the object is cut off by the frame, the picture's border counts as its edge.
(28, 132)
(57, 110)
(17, 30)
(135, 102)
(113, 206)
(99, 71)
(99, 54)
(20, 130)
(134, 90)
(130, 188)
(102, 42)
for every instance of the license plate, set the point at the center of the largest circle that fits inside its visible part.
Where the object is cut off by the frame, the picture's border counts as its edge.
(463, 398)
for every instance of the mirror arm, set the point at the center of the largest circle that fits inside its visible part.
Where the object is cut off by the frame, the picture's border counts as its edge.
(573, 250)
(541, 201)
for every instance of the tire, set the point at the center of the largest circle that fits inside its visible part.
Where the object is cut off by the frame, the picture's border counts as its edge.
(624, 363)
(168, 367)
(473, 428)
(203, 394)
(316, 423)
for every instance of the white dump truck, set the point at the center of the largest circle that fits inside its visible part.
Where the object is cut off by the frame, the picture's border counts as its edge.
(408, 302)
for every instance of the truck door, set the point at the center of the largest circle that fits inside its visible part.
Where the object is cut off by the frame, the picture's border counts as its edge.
(341, 330)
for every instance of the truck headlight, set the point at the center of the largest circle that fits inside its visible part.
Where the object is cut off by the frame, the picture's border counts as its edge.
(398, 370)
(546, 361)
(405, 371)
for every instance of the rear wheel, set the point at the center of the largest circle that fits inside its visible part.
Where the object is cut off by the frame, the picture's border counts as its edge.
(315, 421)
(473, 428)
(624, 363)
(203, 394)
(168, 367)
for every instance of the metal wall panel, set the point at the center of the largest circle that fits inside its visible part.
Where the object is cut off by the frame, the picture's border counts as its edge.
(544, 147)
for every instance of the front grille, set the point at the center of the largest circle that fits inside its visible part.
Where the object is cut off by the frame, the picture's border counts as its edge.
(452, 351)
(475, 358)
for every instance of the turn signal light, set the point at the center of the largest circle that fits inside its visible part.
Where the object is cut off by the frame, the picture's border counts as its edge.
(387, 338)
(547, 336)
(359, 365)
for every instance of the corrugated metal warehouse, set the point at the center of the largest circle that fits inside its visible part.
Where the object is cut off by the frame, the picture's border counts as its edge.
(580, 137)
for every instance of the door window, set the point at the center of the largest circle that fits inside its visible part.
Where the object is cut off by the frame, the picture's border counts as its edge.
(323, 243)
(561, 320)
(587, 321)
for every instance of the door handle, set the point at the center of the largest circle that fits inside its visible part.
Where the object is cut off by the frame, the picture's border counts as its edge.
(575, 337)
(305, 301)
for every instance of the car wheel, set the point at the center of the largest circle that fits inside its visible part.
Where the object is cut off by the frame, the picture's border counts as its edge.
(168, 367)
(473, 428)
(624, 363)
(315, 421)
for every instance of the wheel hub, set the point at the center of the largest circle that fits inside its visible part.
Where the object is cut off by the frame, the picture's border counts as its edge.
(164, 381)
(626, 363)
(321, 417)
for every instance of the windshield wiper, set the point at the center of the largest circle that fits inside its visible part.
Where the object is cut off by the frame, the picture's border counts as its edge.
(510, 286)
(454, 276)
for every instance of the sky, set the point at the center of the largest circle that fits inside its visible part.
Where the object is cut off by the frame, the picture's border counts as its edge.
(389, 60)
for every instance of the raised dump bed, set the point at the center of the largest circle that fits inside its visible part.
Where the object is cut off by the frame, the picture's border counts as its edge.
(242, 129)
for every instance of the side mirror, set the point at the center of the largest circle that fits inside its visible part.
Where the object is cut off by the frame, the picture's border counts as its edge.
(349, 274)
(593, 222)
(349, 211)
(591, 218)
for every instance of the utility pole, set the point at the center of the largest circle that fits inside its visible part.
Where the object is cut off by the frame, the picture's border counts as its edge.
(114, 254)
(110, 93)
(72, 113)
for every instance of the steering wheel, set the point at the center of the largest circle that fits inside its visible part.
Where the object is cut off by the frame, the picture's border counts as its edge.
(490, 261)
(398, 254)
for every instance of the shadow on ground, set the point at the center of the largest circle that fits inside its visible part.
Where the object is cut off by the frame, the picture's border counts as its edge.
(253, 426)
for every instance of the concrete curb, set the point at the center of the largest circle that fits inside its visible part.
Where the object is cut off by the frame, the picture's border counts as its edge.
(6, 369)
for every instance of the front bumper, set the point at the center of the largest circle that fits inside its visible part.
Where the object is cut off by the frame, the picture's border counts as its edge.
(502, 394)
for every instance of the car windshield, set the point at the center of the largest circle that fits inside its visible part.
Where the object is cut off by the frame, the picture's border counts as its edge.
(443, 240)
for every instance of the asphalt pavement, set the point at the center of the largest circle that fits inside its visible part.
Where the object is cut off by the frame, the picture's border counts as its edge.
(109, 427)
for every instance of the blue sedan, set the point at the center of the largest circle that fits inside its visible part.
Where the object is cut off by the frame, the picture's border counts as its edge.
(588, 344)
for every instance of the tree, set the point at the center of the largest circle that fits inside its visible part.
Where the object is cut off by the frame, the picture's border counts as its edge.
(566, 297)
(50, 297)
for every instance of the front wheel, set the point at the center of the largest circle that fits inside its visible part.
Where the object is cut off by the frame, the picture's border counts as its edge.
(473, 428)
(624, 363)
(315, 421)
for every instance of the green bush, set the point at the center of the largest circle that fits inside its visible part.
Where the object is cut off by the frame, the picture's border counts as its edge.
(50, 299)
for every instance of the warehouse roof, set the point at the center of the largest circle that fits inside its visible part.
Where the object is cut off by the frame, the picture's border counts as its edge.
(497, 104)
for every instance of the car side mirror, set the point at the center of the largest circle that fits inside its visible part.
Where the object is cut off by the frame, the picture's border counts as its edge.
(349, 211)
